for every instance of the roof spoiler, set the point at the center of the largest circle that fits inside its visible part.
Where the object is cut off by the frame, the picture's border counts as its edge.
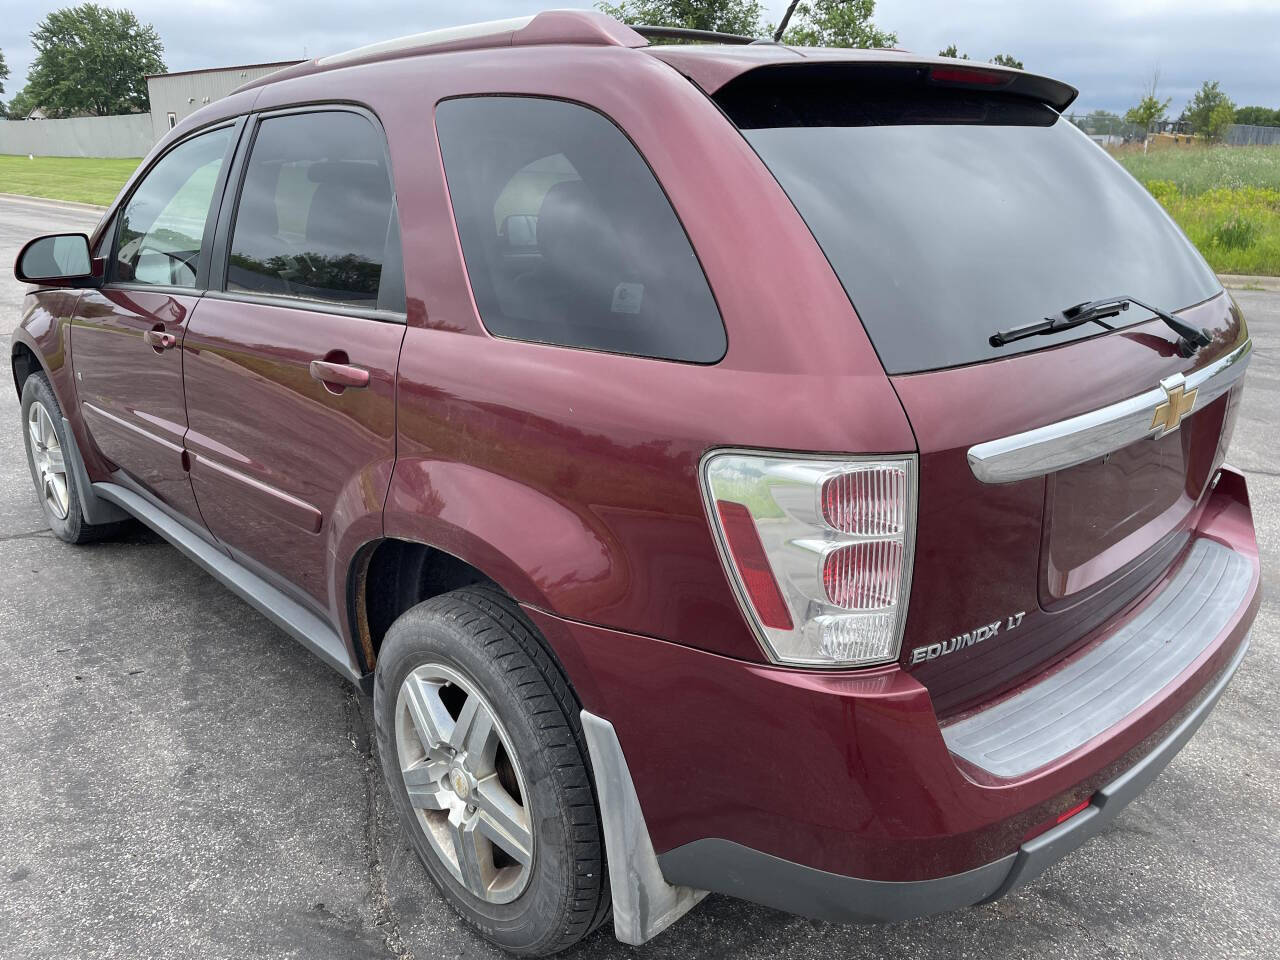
(713, 72)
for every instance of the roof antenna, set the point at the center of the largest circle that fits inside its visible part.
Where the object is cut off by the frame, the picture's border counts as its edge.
(786, 18)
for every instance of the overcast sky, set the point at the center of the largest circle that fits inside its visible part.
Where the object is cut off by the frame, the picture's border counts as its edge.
(1107, 49)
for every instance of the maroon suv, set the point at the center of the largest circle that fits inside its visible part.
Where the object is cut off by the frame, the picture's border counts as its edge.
(791, 473)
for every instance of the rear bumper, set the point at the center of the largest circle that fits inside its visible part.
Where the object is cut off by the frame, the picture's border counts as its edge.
(837, 795)
(730, 868)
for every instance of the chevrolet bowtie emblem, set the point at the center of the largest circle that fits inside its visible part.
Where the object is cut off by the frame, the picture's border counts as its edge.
(1178, 402)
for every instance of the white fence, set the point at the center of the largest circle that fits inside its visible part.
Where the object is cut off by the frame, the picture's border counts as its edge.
(129, 135)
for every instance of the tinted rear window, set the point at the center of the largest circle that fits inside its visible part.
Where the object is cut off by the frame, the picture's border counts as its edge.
(948, 213)
(568, 238)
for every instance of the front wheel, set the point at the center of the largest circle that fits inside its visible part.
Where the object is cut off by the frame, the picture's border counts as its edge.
(482, 749)
(48, 455)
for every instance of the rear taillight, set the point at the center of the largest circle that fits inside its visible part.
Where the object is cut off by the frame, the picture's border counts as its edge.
(818, 551)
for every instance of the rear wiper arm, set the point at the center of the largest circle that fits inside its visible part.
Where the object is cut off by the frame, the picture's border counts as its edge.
(1190, 337)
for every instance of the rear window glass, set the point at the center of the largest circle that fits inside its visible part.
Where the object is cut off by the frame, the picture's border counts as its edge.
(567, 236)
(948, 213)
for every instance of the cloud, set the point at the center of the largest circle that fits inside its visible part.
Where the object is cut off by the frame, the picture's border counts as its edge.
(1108, 50)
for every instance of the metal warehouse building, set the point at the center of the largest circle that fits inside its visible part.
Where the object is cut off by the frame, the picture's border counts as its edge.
(175, 95)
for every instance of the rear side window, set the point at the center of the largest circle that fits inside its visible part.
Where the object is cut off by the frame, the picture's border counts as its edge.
(162, 225)
(567, 236)
(314, 219)
(949, 213)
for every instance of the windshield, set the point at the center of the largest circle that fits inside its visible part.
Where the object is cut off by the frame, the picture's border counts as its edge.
(948, 214)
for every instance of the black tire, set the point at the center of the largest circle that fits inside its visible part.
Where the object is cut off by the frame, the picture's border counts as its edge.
(482, 634)
(73, 528)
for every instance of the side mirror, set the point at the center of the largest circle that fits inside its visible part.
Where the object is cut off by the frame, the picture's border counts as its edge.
(58, 260)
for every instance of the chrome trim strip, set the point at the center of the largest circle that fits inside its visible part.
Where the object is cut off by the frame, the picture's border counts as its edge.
(1088, 436)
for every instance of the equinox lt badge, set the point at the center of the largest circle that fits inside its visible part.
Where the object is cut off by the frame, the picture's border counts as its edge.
(934, 650)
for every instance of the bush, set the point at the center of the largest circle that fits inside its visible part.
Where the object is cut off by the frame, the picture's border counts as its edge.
(1237, 232)
(1166, 191)
(1220, 121)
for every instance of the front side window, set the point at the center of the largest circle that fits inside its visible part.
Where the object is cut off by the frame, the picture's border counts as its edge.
(568, 238)
(315, 212)
(162, 226)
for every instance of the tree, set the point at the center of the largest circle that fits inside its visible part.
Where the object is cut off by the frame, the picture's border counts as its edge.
(1000, 59)
(723, 16)
(1220, 121)
(1148, 111)
(834, 23)
(92, 59)
(1207, 99)
(1150, 108)
(1101, 121)
(4, 71)
(1258, 116)
(21, 105)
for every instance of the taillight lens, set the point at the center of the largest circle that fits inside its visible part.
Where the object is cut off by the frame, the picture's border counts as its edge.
(752, 564)
(818, 550)
(863, 576)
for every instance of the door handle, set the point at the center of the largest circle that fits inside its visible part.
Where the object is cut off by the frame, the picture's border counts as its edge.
(159, 340)
(339, 375)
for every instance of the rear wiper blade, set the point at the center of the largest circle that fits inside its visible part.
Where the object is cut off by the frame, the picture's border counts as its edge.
(1190, 337)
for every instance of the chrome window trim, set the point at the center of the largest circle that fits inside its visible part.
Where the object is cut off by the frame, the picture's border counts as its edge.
(1077, 440)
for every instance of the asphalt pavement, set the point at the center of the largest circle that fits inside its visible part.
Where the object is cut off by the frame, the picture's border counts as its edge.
(180, 779)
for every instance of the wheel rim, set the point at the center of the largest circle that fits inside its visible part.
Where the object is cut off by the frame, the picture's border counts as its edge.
(49, 464)
(464, 783)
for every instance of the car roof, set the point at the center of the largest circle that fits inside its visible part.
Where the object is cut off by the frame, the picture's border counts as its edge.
(709, 65)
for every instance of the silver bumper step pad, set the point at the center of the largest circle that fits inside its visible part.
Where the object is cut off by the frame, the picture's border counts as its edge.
(1069, 708)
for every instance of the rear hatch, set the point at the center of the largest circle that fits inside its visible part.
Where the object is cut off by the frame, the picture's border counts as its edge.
(1060, 475)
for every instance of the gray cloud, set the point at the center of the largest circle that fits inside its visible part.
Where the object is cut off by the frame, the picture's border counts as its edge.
(1107, 50)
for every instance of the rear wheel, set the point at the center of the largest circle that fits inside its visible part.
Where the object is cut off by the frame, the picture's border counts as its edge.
(48, 455)
(481, 746)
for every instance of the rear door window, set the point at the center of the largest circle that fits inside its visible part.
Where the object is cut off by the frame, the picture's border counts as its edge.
(568, 238)
(315, 219)
(949, 214)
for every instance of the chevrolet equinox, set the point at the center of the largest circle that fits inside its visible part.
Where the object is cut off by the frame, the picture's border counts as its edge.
(791, 473)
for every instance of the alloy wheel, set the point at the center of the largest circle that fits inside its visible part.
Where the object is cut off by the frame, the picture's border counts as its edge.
(50, 465)
(464, 782)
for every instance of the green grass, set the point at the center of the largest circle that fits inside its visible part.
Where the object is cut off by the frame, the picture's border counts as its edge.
(82, 179)
(1226, 199)
(1197, 169)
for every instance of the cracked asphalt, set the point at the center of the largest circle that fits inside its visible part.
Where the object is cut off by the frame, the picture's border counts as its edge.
(179, 779)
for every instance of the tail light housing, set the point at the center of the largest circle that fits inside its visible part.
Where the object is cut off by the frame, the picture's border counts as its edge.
(818, 550)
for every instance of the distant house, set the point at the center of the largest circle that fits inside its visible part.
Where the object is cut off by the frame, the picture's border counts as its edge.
(174, 96)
